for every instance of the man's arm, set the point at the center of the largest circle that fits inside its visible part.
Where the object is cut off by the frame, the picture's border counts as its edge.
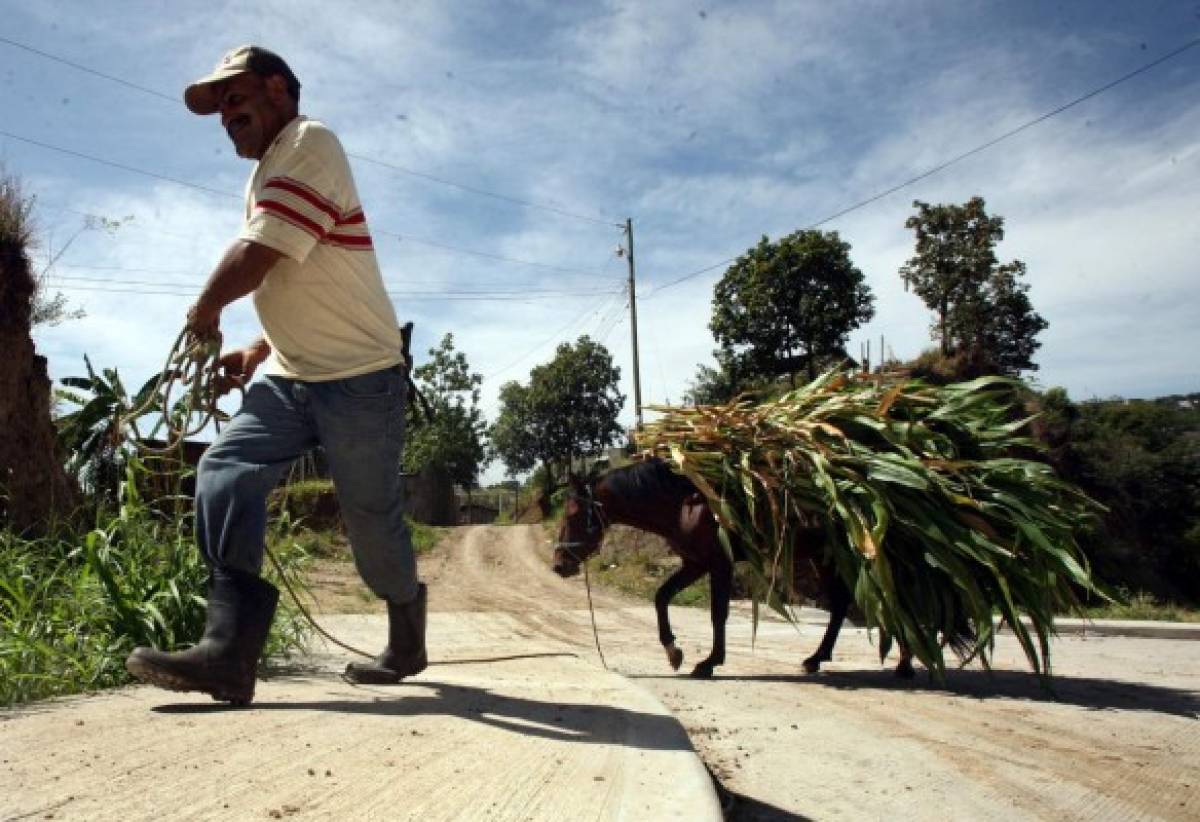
(240, 271)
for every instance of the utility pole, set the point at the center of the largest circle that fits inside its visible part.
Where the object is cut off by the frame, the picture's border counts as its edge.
(637, 377)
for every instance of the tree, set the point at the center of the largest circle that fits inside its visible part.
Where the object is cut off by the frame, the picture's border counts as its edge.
(712, 386)
(720, 384)
(515, 436)
(453, 439)
(1010, 334)
(789, 306)
(568, 410)
(1142, 461)
(982, 308)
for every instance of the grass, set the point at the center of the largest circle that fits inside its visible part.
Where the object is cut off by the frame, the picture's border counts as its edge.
(1144, 606)
(333, 584)
(75, 603)
(312, 504)
(637, 563)
(331, 544)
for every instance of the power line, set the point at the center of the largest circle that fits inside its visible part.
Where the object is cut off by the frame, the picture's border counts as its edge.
(1012, 132)
(399, 292)
(615, 322)
(574, 321)
(113, 164)
(610, 319)
(957, 158)
(486, 255)
(407, 281)
(374, 161)
(160, 289)
(197, 186)
(599, 310)
(82, 68)
(483, 192)
(576, 272)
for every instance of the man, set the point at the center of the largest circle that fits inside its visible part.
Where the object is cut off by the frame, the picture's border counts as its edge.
(334, 377)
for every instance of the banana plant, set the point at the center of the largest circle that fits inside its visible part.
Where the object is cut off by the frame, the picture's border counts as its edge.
(97, 436)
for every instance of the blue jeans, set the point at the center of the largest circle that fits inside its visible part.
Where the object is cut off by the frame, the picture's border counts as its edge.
(360, 423)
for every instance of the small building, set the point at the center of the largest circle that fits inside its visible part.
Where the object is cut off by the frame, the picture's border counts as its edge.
(477, 512)
(429, 496)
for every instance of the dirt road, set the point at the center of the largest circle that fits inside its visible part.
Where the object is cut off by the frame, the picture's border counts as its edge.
(515, 719)
(1121, 741)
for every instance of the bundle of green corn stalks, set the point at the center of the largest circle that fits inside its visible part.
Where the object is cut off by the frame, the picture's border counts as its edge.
(931, 516)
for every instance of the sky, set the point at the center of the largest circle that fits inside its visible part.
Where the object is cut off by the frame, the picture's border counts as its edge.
(499, 147)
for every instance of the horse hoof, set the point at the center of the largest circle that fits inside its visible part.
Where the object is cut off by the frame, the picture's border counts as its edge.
(905, 671)
(675, 657)
(702, 671)
(811, 665)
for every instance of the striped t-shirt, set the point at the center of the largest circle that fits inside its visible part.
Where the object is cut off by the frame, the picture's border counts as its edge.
(323, 306)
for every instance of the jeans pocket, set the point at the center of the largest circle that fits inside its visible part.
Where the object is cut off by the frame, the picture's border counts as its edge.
(374, 385)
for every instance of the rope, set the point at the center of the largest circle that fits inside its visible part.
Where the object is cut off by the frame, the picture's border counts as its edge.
(304, 611)
(587, 582)
(592, 610)
(193, 361)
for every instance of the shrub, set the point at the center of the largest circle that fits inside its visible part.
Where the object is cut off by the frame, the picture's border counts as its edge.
(73, 604)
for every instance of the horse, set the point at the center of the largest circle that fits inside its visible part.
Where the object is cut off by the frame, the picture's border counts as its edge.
(650, 496)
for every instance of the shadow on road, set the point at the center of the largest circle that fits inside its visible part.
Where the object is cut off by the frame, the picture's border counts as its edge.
(736, 807)
(596, 724)
(1085, 692)
(509, 658)
(301, 666)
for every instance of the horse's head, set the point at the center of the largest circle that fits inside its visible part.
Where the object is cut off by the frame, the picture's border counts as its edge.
(582, 528)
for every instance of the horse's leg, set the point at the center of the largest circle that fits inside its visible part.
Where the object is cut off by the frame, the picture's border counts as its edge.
(839, 604)
(679, 580)
(904, 668)
(721, 580)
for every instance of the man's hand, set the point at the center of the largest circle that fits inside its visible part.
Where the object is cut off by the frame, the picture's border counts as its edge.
(237, 367)
(203, 319)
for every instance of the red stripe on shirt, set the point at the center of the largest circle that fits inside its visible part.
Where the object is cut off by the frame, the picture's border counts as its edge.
(305, 193)
(349, 240)
(354, 218)
(292, 216)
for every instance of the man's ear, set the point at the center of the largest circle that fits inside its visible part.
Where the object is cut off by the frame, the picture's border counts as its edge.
(277, 90)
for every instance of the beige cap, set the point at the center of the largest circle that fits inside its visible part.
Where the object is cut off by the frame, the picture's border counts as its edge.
(201, 96)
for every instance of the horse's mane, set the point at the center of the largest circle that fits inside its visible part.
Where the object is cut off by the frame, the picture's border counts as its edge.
(647, 478)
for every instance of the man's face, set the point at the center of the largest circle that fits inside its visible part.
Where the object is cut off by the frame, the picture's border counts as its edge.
(252, 113)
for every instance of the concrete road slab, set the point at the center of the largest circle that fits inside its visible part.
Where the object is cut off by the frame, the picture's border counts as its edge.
(500, 727)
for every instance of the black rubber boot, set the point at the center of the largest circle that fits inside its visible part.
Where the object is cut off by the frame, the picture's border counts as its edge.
(405, 652)
(224, 662)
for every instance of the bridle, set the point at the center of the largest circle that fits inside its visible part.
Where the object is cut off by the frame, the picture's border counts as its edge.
(596, 522)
